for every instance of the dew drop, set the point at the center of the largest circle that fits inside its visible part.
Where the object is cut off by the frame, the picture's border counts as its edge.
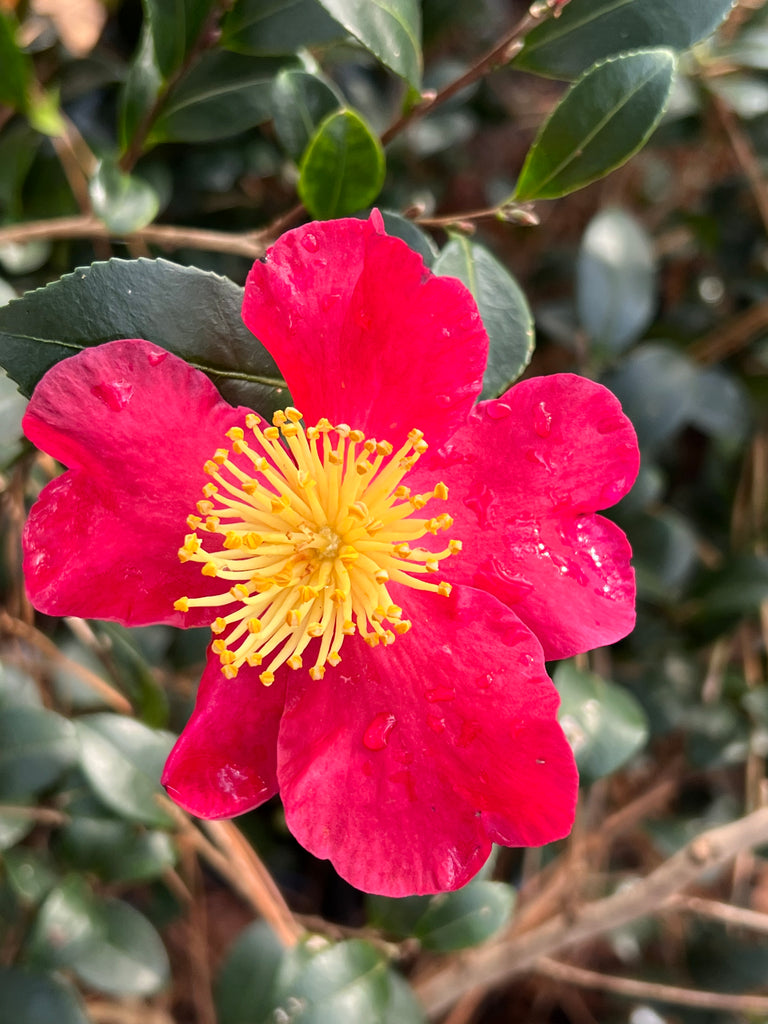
(484, 681)
(376, 736)
(480, 503)
(609, 424)
(114, 394)
(542, 420)
(443, 401)
(156, 356)
(469, 732)
(328, 301)
(405, 778)
(436, 723)
(533, 456)
(497, 410)
(310, 242)
(440, 693)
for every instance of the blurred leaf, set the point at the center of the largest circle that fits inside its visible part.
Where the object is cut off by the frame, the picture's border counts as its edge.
(44, 113)
(24, 257)
(12, 406)
(141, 89)
(17, 71)
(134, 674)
(114, 850)
(749, 49)
(123, 761)
(223, 94)
(67, 922)
(18, 146)
(18, 688)
(343, 167)
(397, 916)
(262, 27)
(467, 917)
(29, 874)
(590, 30)
(719, 406)
(31, 997)
(390, 29)
(502, 305)
(604, 723)
(603, 119)
(665, 554)
(14, 828)
(655, 385)
(175, 26)
(747, 95)
(36, 746)
(124, 202)
(615, 280)
(190, 312)
(736, 590)
(244, 991)
(300, 102)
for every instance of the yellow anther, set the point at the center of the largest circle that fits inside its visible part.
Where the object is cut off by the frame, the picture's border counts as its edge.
(335, 459)
(229, 671)
(369, 446)
(238, 447)
(324, 425)
(308, 593)
(314, 629)
(317, 672)
(267, 678)
(271, 434)
(279, 417)
(209, 569)
(294, 661)
(209, 491)
(218, 625)
(444, 588)
(359, 511)
(338, 596)
(384, 448)
(232, 540)
(290, 430)
(253, 540)
(394, 612)
(227, 658)
(293, 414)
(342, 429)
(254, 659)
(210, 467)
(293, 617)
(348, 554)
(420, 447)
(362, 467)
(193, 521)
(252, 420)
(418, 501)
(454, 546)
(211, 524)
(306, 480)
(254, 625)
(349, 628)
(402, 492)
(356, 436)
(182, 605)
(446, 521)
(219, 646)
(402, 627)
(235, 434)
(432, 565)
(415, 435)
(402, 550)
(334, 658)
(381, 575)
(240, 590)
(440, 491)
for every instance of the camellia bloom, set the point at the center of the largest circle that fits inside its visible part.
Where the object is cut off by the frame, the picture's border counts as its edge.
(384, 571)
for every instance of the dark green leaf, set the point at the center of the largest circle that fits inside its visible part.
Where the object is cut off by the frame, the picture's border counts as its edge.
(224, 94)
(175, 26)
(466, 917)
(18, 146)
(194, 314)
(736, 590)
(30, 874)
(397, 916)
(124, 202)
(246, 983)
(123, 761)
(665, 553)
(14, 828)
(12, 406)
(115, 850)
(589, 30)
(141, 89)
(36, 746)
(603, 119)
(300, 102)
(18, 688)
(343, 167)
(134, 674)
(67, 923)
(390, 29)
(720, 406)
(502, 305)
(16, 74)
(264, 27)
(604, 724)
(615, 280)
(31, 997)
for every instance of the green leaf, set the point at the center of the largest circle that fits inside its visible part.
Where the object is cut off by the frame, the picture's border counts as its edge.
(115, 850)
(134, 674)
(31, 997)
(615, 280)
(604, 724)
(12, 406)
(124, 202)
(343, 167)
(36, 747)
(735, 591)
(590, 30)
(274, 27)
(123, 761)
(664, 547)
(224, 94)
(175, 26)
(244, 990)
(467, 917)
(190, 312)
(603, 119)
(30, 874)
(16, 76)
(141, 89)
(502, 305)
(390, 29)
(67, 923)
(300, 102)
(14, 828)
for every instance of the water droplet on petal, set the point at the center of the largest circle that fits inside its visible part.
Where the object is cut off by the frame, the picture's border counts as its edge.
(443, 401)
(328, 301)
(440, 693)
(469, 732)
(484, 681)
(156, 356)
(309, 241)
(114, 394)
(436, 722)
(376, 736)
(533, 456)
(480, 503)
(497, 410)
(609, 424)
(542, 420)
(405, 778)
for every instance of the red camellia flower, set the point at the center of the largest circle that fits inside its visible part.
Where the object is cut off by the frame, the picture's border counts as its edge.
(384, 571)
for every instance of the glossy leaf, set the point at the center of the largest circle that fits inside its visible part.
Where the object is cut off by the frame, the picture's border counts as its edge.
(30, 874)
(115, 850)
(615, 280)
(245, 986)
(36, 747)
(603, 119)
(300, 102)
(123, 760)
(604, 724)
(590, 30)
(175, 26)
(194, 314)
(467, 917)
(31, 997)
(141, 89)
(502, 305)
(665, 553)
(67, 924)
(223, 94)
(14, 828)
(124, 202)
(263, 27)
(16, 75)
(343, 167)
(390, 29)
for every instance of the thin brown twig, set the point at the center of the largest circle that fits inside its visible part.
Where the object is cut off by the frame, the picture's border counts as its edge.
(740, 917)
(637, 989)
(726, 339)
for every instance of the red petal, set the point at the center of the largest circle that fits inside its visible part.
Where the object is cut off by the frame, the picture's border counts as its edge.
(364, 333)
(135, 425)
(223, 763)
(521, 476)
(404, 762)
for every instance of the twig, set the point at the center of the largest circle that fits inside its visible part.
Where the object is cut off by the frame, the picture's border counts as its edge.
(728, 338)
(634, 988)
(497, 964)
(741, 917)
(40, 815)
(745, 154)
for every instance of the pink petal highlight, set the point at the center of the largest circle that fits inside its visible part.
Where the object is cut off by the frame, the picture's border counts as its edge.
(223, 764)
(404, 763)
(329, 296)
(134, 424)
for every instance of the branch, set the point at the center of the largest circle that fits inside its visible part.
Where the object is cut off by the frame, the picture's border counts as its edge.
(496, 964)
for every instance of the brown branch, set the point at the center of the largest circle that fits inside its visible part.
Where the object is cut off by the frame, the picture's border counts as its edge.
(636, 989)
(497, 964)
(740, 917)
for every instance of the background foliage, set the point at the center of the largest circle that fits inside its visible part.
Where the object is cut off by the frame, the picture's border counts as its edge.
(167, 143)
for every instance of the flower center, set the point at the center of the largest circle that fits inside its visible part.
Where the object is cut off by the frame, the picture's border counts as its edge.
(314, 529)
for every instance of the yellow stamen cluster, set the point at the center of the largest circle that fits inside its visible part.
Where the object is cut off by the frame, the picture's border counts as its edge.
(314, 528)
